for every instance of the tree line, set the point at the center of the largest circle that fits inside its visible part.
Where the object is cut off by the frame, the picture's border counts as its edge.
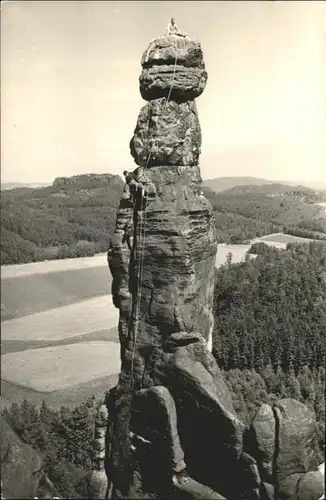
(75, 217)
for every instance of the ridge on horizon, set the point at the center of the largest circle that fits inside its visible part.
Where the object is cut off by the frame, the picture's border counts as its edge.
(230, 180)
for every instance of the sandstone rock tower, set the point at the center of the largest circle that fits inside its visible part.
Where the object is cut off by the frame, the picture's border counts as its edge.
(163, 255)
(172, 429)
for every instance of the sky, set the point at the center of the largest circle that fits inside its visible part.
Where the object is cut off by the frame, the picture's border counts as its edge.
(70, 93)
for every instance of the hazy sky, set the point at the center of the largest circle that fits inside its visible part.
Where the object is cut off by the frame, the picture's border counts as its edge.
(70, 96)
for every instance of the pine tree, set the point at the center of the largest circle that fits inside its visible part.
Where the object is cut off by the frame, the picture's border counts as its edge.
(269, 376)
(307, 386)
(293, 388)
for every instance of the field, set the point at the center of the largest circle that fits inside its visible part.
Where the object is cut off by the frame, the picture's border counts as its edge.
(52, 266)
(29, 294)
(59, 323)
(59, 338)
(238, 253)
(283, 238)
(13, 345)
(49, 368)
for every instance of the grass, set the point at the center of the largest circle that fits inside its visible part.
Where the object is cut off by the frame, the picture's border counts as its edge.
(49, 368)
(87, 316)
(30, 294)
(284, 238)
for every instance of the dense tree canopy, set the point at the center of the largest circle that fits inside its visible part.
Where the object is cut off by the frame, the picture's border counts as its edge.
(64, 439)
(75, 217)
(72, 218)
(272, 309)
(244, 213)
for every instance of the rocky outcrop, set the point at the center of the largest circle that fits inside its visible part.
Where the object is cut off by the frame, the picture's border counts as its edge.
(99, 483)
(261, 441)
(296, 435)
(119, 254)
(22, 474)
(175, 433)
(283, 441)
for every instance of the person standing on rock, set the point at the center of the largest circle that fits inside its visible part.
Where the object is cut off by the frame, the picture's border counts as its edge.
(173, 28)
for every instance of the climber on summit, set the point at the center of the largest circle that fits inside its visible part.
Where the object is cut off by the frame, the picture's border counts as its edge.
(173, 28)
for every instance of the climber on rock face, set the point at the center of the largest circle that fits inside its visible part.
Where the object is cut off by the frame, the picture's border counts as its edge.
(128, 176)
(128, 235)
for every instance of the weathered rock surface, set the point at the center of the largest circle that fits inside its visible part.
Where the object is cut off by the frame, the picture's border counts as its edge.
(22, 473)
(173, 66)
(155, 440)
(118, 259)
(177, 274)
(178, 82)
(261, 437)
(167, 133)
(187, 488)
(311, 486)
(266, 491)
(296, 434)
(162, 50)
(177, 257)
(98, 486)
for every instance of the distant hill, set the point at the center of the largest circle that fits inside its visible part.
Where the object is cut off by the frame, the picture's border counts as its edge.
(270, 189)
(74, 217)
(223, 183)
(13, 185)
(246, 212)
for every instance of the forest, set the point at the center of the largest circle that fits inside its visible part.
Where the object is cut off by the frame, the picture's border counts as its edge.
(272, 309)
(269, 340)
(246, 212)
(75, 216)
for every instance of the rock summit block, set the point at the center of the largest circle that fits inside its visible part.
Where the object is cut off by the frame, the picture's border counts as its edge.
(173, 65)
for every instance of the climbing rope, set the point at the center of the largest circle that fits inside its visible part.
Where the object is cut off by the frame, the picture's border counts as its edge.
(142, 236)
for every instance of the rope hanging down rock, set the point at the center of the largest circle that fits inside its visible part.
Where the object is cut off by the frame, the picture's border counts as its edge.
(142, 236)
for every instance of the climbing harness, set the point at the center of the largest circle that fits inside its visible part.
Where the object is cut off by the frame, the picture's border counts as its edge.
(142, 235)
